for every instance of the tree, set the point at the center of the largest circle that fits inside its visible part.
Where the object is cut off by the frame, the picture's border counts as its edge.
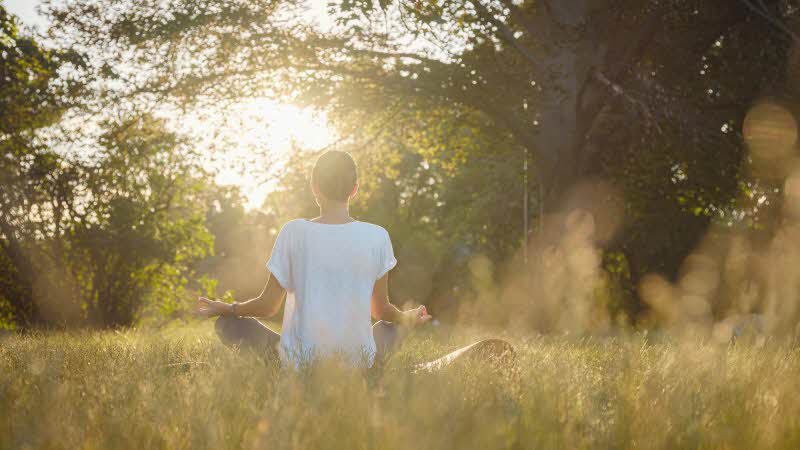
(31, 99)
(140, 224)
(645, 95)
(93, 228)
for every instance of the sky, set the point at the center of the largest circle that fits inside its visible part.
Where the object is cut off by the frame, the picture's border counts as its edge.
(26, 10)
(252, 128)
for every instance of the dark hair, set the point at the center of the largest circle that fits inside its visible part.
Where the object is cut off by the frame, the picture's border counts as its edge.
(335, 175)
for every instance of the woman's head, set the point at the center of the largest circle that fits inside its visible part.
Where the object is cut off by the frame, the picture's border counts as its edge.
(334, 177)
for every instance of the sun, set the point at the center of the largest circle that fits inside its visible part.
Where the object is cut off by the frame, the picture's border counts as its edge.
(254, 137)
(282, 124)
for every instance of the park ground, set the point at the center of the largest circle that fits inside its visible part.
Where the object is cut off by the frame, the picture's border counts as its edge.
(178, 388)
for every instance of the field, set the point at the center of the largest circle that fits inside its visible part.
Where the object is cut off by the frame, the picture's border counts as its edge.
(178, 388)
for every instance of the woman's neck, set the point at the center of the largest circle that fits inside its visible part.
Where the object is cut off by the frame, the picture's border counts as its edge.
(337, 213)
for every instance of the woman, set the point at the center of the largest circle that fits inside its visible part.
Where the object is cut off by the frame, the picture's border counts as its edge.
(333, 272)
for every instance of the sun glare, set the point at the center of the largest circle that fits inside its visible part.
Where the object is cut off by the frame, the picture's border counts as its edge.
(281, 125)
(252, 140)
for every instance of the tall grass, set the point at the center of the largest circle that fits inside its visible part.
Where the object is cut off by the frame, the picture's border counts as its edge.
(181, 389)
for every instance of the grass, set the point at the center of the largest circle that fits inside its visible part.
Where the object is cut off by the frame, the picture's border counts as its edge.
(179, 388)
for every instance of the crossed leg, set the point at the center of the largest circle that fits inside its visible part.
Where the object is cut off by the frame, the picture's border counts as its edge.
(388, 337)
(249, 333)
(495, 351)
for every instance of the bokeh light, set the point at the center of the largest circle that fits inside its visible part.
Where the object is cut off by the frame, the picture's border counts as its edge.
(770, 131)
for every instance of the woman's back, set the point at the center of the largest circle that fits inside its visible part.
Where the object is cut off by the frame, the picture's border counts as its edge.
(329, 271)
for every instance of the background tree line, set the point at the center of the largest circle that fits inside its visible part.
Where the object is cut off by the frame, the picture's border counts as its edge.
(444, 104)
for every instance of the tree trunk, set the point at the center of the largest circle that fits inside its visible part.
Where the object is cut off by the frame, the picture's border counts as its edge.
(587, 48)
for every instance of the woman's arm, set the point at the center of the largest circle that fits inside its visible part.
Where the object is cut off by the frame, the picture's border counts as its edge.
(383, 309)
(267, 304)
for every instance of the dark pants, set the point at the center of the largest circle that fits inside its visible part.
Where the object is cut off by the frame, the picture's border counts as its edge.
(249, 333)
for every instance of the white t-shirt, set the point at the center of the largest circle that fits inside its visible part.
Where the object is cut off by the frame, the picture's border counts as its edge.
(329, 272)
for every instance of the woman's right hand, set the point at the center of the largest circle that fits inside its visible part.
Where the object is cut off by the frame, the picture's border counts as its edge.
(209, 308)
(417, 316)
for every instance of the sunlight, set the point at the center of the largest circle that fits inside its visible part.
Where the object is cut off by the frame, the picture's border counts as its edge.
(255, 137)
(281, 125)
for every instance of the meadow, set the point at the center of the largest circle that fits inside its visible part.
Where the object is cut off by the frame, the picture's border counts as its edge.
(179, 388)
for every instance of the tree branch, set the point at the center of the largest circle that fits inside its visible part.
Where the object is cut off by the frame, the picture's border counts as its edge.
(763, 11)
(619, 91)
(519, 16)
(507, 33)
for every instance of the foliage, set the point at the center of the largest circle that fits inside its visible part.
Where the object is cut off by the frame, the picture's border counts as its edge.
(95, 221)
(123, 235)
(31, 98)
(182, 389)
(242, 240)
(630, 93)
(444, 185)
(444, 104)
(143, 225)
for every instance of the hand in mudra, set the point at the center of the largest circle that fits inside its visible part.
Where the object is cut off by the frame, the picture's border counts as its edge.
(207, 308)
(418, 315)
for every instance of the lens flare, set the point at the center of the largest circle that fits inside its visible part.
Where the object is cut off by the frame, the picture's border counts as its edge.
(770, 131)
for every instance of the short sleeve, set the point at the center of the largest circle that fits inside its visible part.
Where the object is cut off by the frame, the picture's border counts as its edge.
(280, 260)
(387, 259)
